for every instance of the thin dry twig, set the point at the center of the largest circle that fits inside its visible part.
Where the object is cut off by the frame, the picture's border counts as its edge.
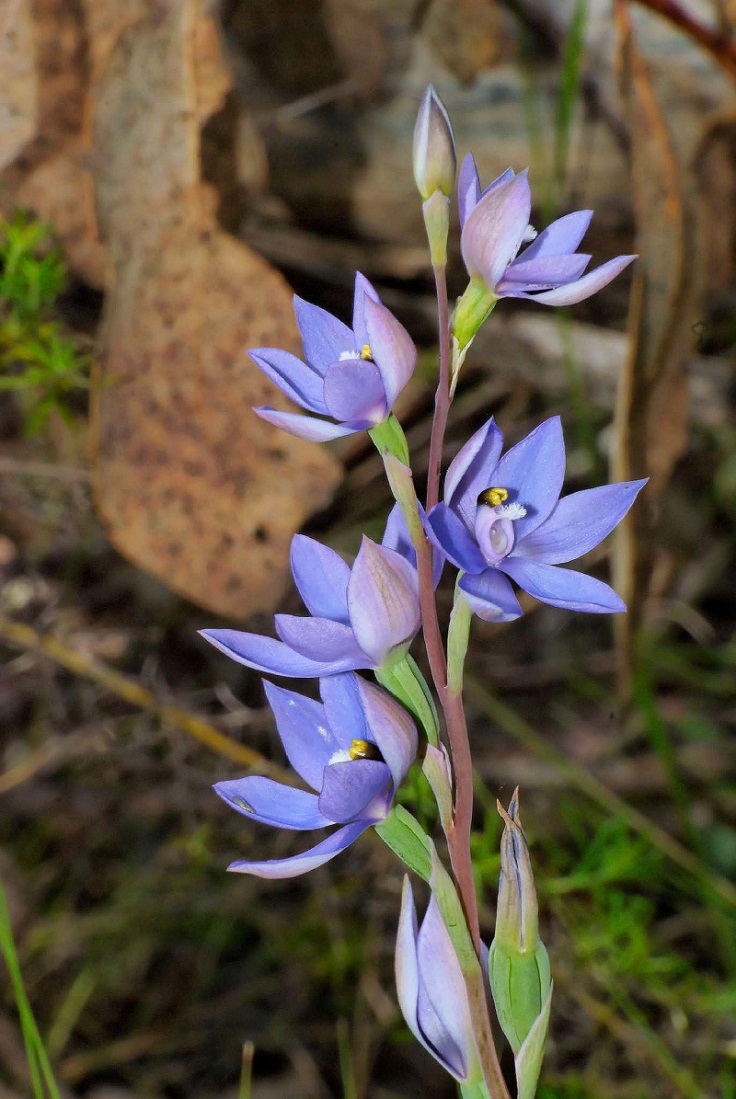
(127, 688)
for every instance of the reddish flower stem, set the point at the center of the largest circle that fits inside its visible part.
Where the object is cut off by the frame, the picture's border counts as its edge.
(458, 834)
(442, 397)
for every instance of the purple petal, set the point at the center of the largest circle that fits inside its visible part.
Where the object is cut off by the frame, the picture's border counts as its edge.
(587, 285)
(491, 596)
(532, 472)
(407, 969)
(265, 654)
(392, 347)
(270, 802)
(495, 228)
(538, 274)
(358, 789)
(566, 588)
(471, 471)
(307, 738)
(306, 427)
(293, 377)
(343, 708)
(382, 600)
(468, 187)
(309, 860)
(354, 390)
(448, 533)
(443, 1013)
(324, 337)
(320, 639)
(363, 290)
(579, 522)
(396, 537)
(506, 174)
(322, 577)
(391, 728)
(560, 238)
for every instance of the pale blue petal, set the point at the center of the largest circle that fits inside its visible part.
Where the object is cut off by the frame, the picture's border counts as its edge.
(358, 789)
(363, 289)
(449, 534)
(305, 427)
(307, 738)
(309, 860)
(533, 472)
(468, 187)
(321, 577)
(391, 729)
(265, 654)
(293, 377)
(325, 338)
(392, 348)
(443, 1013)
(587, 285)
(321, 639)
(561, 237)
(382, 600)
(343, 708)
(578, 523)
(491, 596)
(354, 392)
(566, 588)
(495, 229)
(471, 471)
(541, 273)
(270, 802)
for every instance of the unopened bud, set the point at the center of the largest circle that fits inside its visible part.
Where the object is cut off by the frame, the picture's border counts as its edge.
(518, 963)
(434, 147)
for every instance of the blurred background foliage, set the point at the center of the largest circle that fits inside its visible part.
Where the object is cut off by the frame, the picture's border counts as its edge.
(152, 150)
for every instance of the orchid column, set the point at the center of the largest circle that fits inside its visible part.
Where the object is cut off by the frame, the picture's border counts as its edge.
(502, 521)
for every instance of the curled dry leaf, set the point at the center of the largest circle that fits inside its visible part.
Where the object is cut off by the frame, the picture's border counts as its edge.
(190, 484)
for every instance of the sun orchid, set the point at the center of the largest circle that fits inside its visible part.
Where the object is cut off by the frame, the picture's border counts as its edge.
(352, 375)
(354, 749)
(503, 517)
(431, 989)
(495, 224)
(361, 617)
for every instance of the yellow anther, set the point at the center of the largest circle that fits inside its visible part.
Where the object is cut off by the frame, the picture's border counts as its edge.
(365, 351)
(493, 496)
(363, 749)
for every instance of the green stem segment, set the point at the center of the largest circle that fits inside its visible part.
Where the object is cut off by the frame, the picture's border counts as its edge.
(405, 682)
(457, 639)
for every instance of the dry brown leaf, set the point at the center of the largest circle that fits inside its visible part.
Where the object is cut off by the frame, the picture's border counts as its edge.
(190, 484)
(652, 409)
(18, 85)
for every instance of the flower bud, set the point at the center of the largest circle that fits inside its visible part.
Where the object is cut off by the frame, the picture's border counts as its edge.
(434, 147)
(518, 963)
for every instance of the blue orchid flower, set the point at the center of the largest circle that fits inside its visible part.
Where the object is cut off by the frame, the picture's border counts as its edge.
(352, 375)
(362, 617)
(353, 749)
(502, 518)
(431, 989)
(495, 224)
